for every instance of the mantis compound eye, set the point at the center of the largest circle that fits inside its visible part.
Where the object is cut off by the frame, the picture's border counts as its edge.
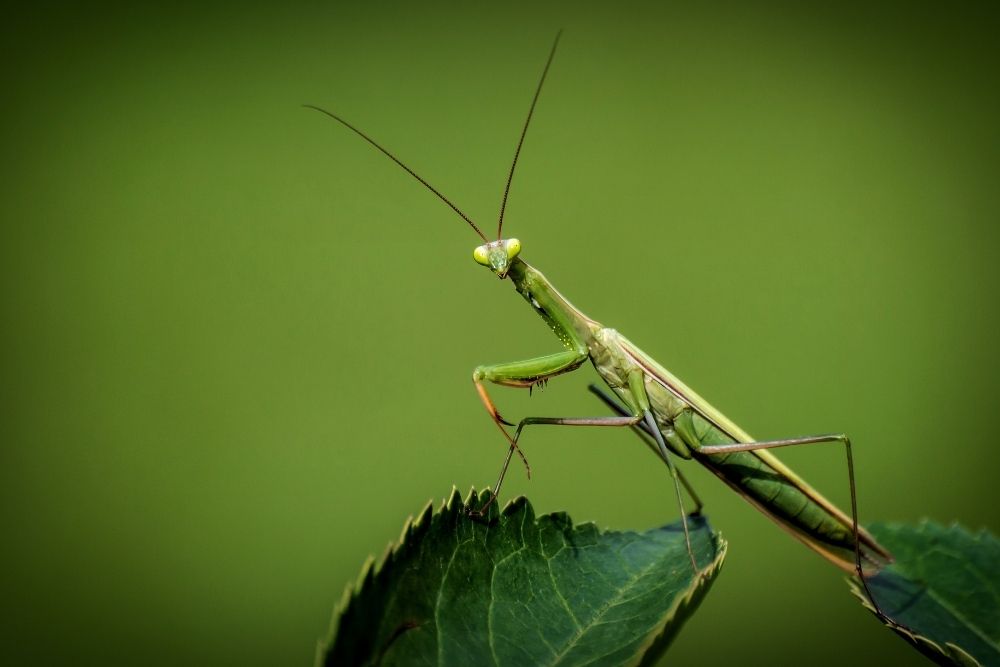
(481, 256)
(513, 247)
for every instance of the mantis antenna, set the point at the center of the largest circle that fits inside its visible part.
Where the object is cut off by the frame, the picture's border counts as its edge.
(524, 131)
(400, 163)
(510, 174)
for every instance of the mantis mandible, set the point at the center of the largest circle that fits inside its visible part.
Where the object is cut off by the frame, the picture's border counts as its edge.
(671, 418)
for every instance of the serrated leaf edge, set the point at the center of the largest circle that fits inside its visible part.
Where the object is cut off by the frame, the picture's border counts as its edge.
(412, 527)
(954, 653)
(698, 587)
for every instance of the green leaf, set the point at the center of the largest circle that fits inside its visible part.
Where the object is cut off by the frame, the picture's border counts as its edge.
(510, 589)
(942, 595)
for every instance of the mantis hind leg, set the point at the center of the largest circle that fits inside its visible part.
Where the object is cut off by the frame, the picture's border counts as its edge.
(643, 430)
(675, 474)
(811, 440)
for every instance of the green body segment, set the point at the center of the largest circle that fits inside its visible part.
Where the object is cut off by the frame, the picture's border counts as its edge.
(758, 482)
(686, 421)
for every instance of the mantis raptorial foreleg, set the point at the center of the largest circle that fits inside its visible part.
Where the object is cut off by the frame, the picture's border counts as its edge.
(525, 373)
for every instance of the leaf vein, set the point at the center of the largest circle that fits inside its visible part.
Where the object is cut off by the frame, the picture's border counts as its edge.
(611, 603)
(989, 641)
(437, 601)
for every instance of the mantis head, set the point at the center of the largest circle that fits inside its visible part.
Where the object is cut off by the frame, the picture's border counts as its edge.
(497, 255)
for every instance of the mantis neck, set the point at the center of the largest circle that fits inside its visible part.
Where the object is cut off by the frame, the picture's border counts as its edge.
(574, 329)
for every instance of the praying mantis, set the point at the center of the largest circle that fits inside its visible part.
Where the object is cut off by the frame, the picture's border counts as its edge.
(672, 419)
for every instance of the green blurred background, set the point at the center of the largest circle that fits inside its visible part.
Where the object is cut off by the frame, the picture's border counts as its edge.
(237, 341)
